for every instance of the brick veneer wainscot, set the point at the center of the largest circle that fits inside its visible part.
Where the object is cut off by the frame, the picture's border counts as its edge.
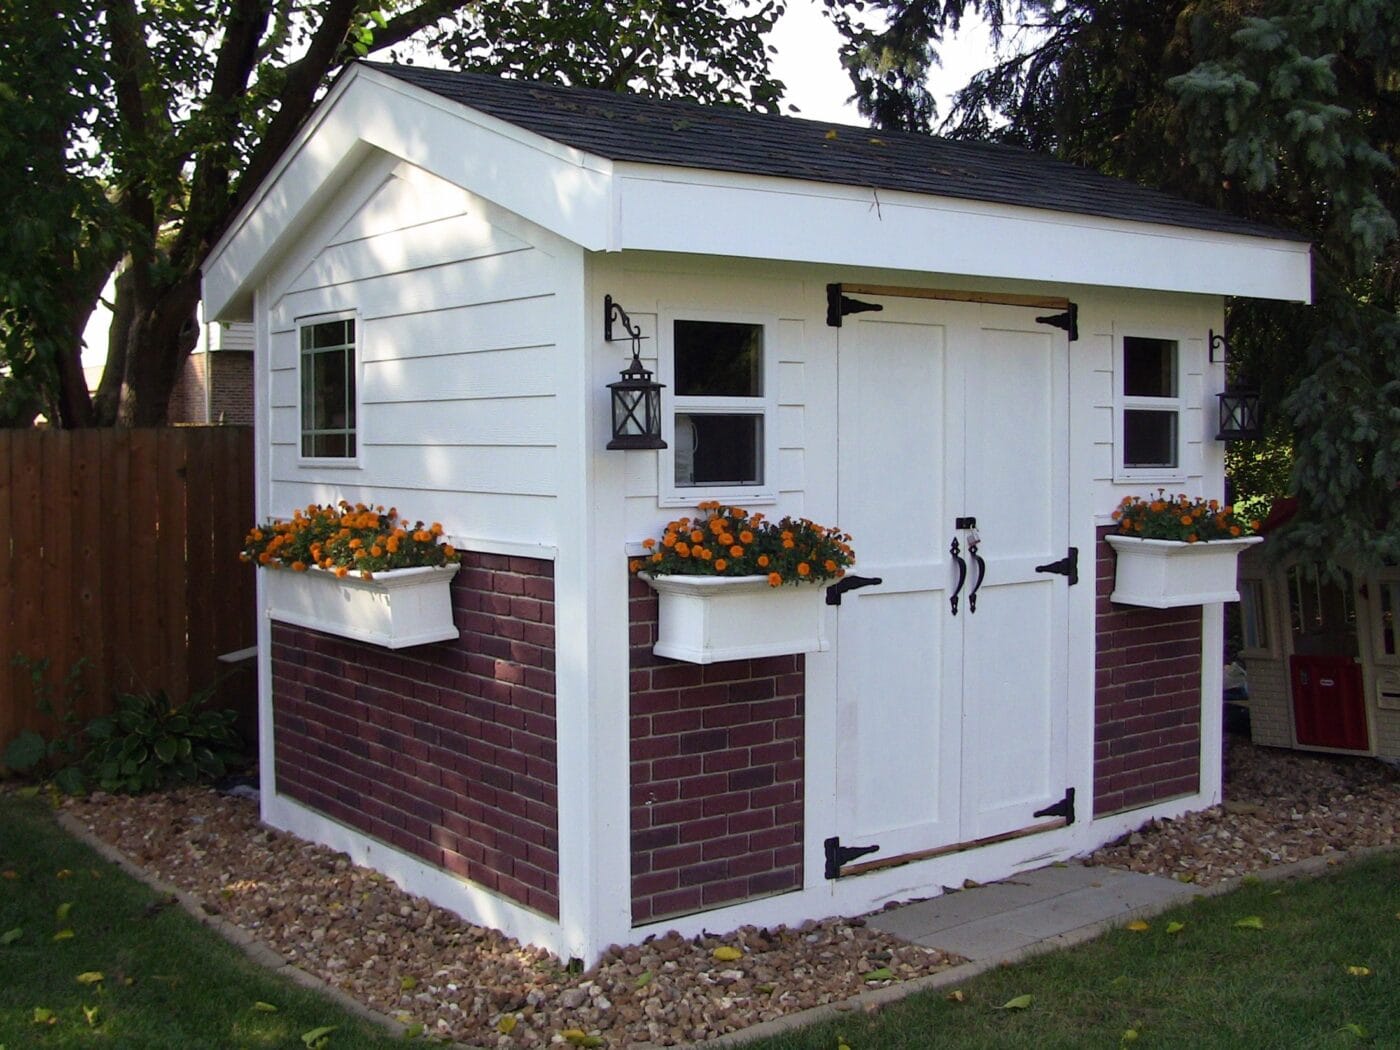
(446, 751)
(1147, 699)
(716, 776)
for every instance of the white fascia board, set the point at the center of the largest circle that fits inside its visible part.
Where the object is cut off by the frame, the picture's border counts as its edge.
(564, 190)
(748, 216)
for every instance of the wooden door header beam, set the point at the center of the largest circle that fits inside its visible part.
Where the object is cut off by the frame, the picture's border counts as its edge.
(1035, 302)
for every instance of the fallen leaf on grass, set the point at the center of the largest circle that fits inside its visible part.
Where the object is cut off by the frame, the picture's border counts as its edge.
(264, 1008)
(884, 973)
(63, 873)
(43, 1015)
(61, 912)
(413, 1031)
(1138, 926)
(317, 1038)
(1175, 927)
(1359, 971)
(64, 935)
(1249, 922)
(724, 953)
(1021, 1002)
(1130, 1036)
(90, 1015)
(1355, 1029)
(10, 936)
(91, 977)
(957, 995)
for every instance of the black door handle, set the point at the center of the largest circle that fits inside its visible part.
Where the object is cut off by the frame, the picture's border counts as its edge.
(849, 583)
(954, 549)
(981, 575)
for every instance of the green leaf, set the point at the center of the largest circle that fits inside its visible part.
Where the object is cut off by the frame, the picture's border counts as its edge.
(91, 977)
(10, 936)
(43, 1015)
(1354, 1029)
(89, 1015)
(643, 979)
(1175, 927)
(884, 973)
(70, 780)
(407, 984)
(61, 912)
(1250, 922)
(26, 751)
(1021, 1002)
(264, 1008)
(63, 935)
(166, 748)
(317, 1038)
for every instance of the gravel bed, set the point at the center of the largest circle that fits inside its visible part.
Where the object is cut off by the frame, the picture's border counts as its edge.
(423, 965)
(420, 964)
(1280, 806)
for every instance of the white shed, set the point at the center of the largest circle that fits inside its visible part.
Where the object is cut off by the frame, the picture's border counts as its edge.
(923, 341)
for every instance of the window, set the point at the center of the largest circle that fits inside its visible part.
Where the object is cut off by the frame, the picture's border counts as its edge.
(328, 389)
(1254, 617)
(1149, 400)
(719, 427)
(1387, 610)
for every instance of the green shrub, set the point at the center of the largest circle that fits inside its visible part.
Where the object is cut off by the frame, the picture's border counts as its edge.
(150, 743)
(51, 758)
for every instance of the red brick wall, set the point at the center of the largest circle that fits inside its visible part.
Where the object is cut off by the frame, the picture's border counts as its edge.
(716, 775)
(446, 751)
(1147, 699)
(231, 392)
(187, 398)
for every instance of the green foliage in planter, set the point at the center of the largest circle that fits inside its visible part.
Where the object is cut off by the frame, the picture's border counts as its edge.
(150, 743)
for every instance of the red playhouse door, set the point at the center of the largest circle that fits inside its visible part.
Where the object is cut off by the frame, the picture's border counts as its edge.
(1329, 708)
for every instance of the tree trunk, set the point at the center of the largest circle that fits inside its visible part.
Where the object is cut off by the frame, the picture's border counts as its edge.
(159, 329)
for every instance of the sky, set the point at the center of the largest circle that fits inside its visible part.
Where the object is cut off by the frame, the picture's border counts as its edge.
(806, 62)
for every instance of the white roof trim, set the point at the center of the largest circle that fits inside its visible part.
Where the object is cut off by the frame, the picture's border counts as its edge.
(607, 206)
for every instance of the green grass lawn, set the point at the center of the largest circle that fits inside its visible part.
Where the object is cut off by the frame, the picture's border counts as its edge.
(90, 957)
(1282, 979)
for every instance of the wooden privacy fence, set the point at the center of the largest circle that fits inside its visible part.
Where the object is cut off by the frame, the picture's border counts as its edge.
(120, 547)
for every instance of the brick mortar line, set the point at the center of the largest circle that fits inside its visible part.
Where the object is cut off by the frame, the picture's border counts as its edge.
(1308, 866)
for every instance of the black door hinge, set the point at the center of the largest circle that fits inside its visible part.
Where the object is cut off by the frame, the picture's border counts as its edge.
(838, 855)
(1066, 566)
(838, 306)
(849, 583)
(1067, 321)
(1063, 808)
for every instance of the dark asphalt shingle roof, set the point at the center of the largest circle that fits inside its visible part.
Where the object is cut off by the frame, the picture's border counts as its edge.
(719, 138)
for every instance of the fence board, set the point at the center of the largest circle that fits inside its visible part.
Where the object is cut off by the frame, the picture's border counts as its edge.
(120, 547)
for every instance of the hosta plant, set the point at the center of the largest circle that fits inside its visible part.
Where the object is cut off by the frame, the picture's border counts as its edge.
(731, 541)
(150, 743)
(1181, 518)
(347, 538)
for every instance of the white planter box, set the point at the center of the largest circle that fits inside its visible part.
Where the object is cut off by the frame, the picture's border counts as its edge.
(709, 619)
(1167, 574)
(394, 609)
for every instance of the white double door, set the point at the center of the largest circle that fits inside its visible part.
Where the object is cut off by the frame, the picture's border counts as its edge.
(951, 726)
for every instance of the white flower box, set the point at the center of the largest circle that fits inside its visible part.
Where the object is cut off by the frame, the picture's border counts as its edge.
(1168, 574)
(710, 619)
(395, 609)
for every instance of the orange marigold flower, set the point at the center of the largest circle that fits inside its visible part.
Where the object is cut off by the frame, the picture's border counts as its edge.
(683, 549)
(774, 580)
(697, 536)
(298, 566)
(356, 544)
(669, 540)
(829, 565)
(657, 557)
(633, 565)
(377, 551)
(763, 561)
(727, 539)
(436, 528)
(803, 569)
(393, 544)
(342, 572)
(1186, 519)
(649, 543)
(448, 549)
(736, 551)
(788, 545)
(264, 557)
(746, 536)
(721, 565)
(1234, 530)
(1191, 537)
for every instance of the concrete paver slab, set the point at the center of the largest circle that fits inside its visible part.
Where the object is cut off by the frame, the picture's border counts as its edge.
(1000, 918)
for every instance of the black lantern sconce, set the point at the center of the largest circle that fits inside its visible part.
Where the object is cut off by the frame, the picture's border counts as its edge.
(636, 398)
(1241, 412)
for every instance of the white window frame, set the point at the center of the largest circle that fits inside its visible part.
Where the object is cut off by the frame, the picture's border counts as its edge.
(1385, 577)
(1123, 403)
(341, 462)
(671, 495)
(1266, 604)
